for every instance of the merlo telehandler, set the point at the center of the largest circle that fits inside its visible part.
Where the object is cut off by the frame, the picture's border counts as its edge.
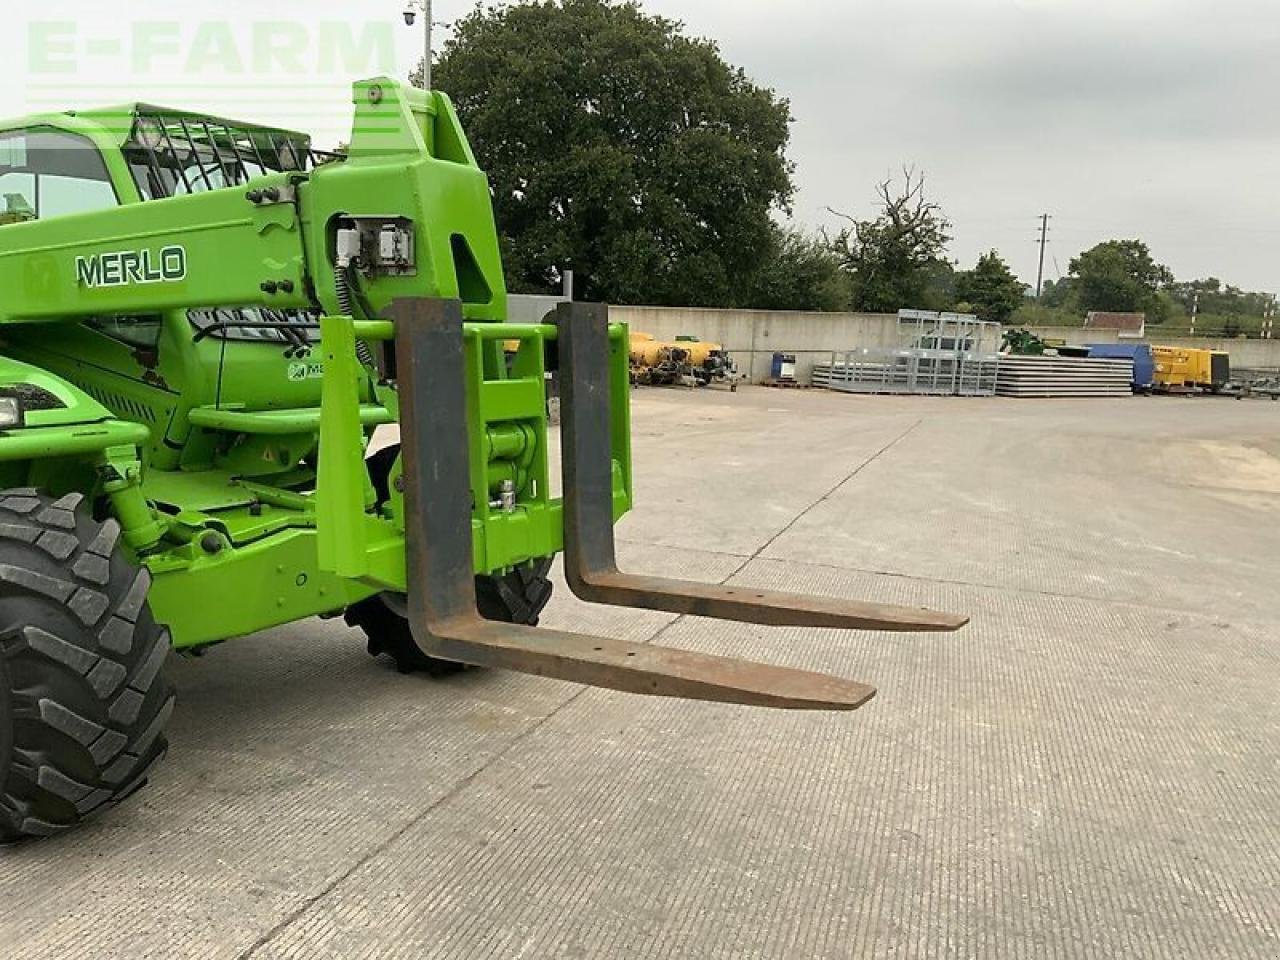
(202, 322)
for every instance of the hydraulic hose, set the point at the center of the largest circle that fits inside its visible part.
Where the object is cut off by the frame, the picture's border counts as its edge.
(346, 303)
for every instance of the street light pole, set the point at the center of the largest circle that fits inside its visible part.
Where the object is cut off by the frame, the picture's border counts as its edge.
(426, 57)
(412, 7)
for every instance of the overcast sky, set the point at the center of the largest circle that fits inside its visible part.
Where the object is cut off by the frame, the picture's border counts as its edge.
(1119, 118)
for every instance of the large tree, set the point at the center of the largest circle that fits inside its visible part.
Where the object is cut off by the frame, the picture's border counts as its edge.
(990, 288)
(1059, 294)
(619, 147)
(895, 260)
(1211, 295)
(799, 272)
(1120, 275)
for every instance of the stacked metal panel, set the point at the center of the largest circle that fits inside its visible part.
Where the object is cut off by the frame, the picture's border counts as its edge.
(977, 376)
(1049, 376)
(820, 375)
(893, 371)
(940, 355)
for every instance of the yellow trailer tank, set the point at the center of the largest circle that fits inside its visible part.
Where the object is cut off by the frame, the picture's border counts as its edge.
(686, 360)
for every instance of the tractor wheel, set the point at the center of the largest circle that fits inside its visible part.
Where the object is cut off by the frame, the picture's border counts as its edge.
(83, 703)
(515, 597)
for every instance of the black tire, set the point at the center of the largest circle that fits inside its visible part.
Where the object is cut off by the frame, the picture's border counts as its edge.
(83, 701)
(516, 597)
(380, 465)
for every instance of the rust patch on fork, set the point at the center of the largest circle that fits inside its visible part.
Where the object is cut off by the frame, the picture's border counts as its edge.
(748, 605)
(642, 668)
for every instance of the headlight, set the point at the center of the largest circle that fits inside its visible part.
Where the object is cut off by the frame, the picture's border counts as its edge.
(10, 413)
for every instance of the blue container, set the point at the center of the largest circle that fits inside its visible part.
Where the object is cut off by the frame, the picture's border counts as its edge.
(783, 367)
(1144, 365)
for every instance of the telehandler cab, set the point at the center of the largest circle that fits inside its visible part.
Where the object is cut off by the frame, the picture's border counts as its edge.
(202, 322)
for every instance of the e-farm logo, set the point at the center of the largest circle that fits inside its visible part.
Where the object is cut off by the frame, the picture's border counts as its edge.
(127, 267)
(249, 63)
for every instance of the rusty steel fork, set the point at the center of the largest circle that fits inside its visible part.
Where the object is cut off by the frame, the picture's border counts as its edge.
(440, 572)
(590, 562)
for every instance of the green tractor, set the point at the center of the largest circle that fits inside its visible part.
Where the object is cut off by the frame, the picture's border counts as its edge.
(202, 323)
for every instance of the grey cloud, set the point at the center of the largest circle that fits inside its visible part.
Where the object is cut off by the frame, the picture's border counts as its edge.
(1149, 118)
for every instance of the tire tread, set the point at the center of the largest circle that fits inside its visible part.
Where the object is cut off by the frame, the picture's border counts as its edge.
(90, 725)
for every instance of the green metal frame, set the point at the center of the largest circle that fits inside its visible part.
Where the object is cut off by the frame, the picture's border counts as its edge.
(237, 469)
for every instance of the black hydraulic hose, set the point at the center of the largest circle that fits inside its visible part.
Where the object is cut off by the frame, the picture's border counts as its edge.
(343, 278)
(298, 342)
(345, 303)
(213, 328)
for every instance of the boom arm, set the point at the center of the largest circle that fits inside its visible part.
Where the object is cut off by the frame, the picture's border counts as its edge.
(272, 242)
(211, 249)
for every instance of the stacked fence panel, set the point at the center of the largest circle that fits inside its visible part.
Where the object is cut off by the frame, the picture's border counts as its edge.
(910, 371)
(977, 375)
(1050, 376)
(939, 355)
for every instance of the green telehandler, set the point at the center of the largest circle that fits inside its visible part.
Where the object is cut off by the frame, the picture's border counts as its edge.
(202, 323)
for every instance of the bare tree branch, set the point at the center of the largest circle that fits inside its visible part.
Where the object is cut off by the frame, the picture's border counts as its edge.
(885, 256)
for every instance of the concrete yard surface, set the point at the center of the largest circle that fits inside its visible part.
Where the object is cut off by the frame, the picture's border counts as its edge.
(1090, 769)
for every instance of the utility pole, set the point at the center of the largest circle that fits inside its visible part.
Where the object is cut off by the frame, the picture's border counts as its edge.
(1044, 238)
(1195, 310)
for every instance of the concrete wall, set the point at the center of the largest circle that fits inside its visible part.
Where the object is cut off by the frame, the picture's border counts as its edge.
(1245, 354)
(753, 336)
(526, 308)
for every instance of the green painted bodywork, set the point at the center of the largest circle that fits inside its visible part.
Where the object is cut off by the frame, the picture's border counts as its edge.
(236, 467)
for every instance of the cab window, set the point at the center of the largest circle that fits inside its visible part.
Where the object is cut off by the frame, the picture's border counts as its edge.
(48, 173)
(142, 332)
